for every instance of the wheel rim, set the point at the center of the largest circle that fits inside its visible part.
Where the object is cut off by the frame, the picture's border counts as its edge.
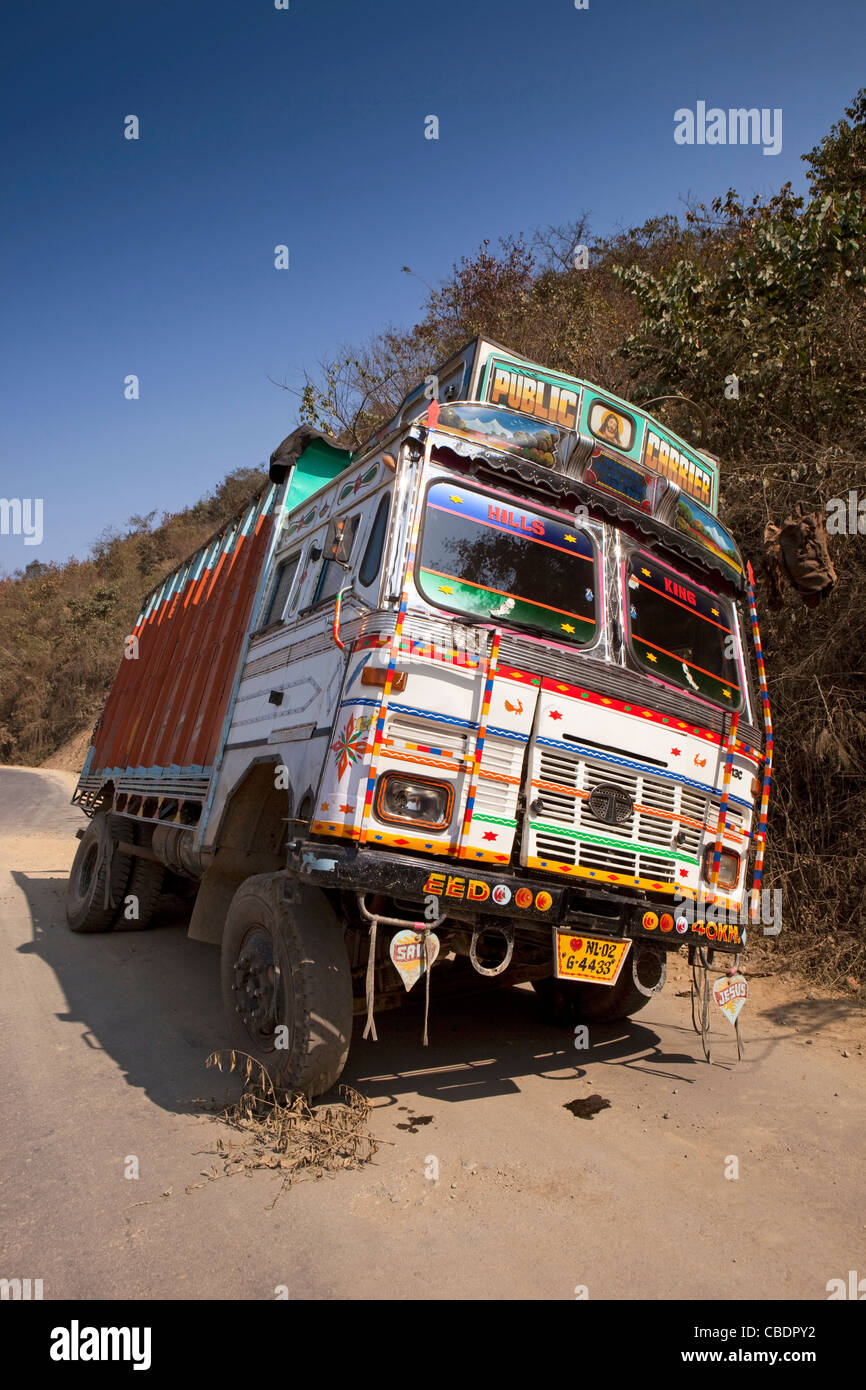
(259, 990)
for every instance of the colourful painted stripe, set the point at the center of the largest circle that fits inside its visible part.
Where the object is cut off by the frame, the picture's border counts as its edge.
(611, 842)
(579, 795)
(761, 836)
(608, 876)
(414, 509)
(677, 890)
(597, 756)
(424, 648)
(592, 697)
(490, 676)
(500, 777)
(494, 731)
(397, 755)
(435, 714)
(723, 803)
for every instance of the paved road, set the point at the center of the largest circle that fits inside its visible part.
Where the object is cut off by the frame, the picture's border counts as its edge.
(104, 1040)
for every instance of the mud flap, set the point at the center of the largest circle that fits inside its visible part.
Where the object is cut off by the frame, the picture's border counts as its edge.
(215, 892)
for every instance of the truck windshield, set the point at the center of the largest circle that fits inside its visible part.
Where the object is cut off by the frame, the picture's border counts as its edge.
(493, 558)
(682, 633)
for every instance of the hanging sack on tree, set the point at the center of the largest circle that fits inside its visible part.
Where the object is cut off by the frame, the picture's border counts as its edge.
(775, 573)
(797, 551)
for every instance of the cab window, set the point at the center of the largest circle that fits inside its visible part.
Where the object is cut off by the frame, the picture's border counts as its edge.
(372, 560)
(285, 578)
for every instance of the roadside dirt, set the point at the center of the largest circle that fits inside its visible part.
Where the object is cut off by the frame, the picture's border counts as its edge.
(71, 754)
(510, 1164)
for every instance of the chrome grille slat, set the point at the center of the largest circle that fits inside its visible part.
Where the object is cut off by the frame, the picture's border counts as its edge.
(651, 831)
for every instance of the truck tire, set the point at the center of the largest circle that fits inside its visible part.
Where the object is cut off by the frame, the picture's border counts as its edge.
(567, 1002)
(146, 883)
(86, 907)
(285, 964)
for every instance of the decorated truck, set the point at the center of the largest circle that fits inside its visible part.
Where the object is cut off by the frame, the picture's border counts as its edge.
(482, 698)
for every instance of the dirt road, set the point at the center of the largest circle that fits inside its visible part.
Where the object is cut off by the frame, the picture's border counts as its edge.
(104, 1040)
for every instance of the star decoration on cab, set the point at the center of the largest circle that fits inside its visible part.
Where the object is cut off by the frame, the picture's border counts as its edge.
(675, 752)
(455, 498)
(569, 537)
(650, 656)
(490, 835)
(554, 714)
(648, 573)
(446, 589)
(567, 627)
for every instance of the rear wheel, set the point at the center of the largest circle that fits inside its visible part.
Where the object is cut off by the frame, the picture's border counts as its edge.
(146, 886)
(286, 984)
(97, 878)
(572, 1001)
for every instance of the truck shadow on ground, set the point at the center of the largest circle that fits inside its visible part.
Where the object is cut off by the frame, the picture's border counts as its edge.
(151, 1001)
(811, 1015)
(148, 999)
(484, 1044)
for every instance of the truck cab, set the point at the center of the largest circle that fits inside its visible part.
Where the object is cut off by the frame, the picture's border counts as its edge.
(495, 710)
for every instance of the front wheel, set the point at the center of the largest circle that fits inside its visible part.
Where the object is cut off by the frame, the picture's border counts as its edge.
(287, 984)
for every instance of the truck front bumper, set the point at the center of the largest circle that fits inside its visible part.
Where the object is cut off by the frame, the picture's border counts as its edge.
(467, 894)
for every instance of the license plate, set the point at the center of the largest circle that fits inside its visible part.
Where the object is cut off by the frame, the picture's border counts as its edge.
(580, 957)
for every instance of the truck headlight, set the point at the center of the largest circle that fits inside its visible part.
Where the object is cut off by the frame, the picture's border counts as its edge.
(729, 868)
(414, 801)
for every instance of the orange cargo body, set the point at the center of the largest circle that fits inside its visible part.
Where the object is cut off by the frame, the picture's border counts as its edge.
(167, 706)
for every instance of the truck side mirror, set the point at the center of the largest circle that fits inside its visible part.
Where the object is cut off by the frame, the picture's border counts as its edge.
(338, 541)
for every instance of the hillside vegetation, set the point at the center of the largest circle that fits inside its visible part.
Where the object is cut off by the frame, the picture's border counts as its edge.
(772, 293)
(62, 626)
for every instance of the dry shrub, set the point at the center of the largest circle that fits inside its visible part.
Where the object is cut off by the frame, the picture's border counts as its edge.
(280, 1130)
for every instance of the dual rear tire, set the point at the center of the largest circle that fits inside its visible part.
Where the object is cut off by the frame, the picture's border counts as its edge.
(285, 972)
(109, 890)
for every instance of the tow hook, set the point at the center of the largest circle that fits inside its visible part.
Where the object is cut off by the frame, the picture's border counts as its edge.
(649, 969)
(506, 931)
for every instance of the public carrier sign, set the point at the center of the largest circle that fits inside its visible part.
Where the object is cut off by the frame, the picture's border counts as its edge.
(663, 456)
(543, 395)
(547, 396)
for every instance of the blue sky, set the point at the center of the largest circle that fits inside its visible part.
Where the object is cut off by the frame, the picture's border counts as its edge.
(306, 127)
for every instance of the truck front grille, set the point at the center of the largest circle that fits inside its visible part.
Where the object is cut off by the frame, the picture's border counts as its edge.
(563, 829)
